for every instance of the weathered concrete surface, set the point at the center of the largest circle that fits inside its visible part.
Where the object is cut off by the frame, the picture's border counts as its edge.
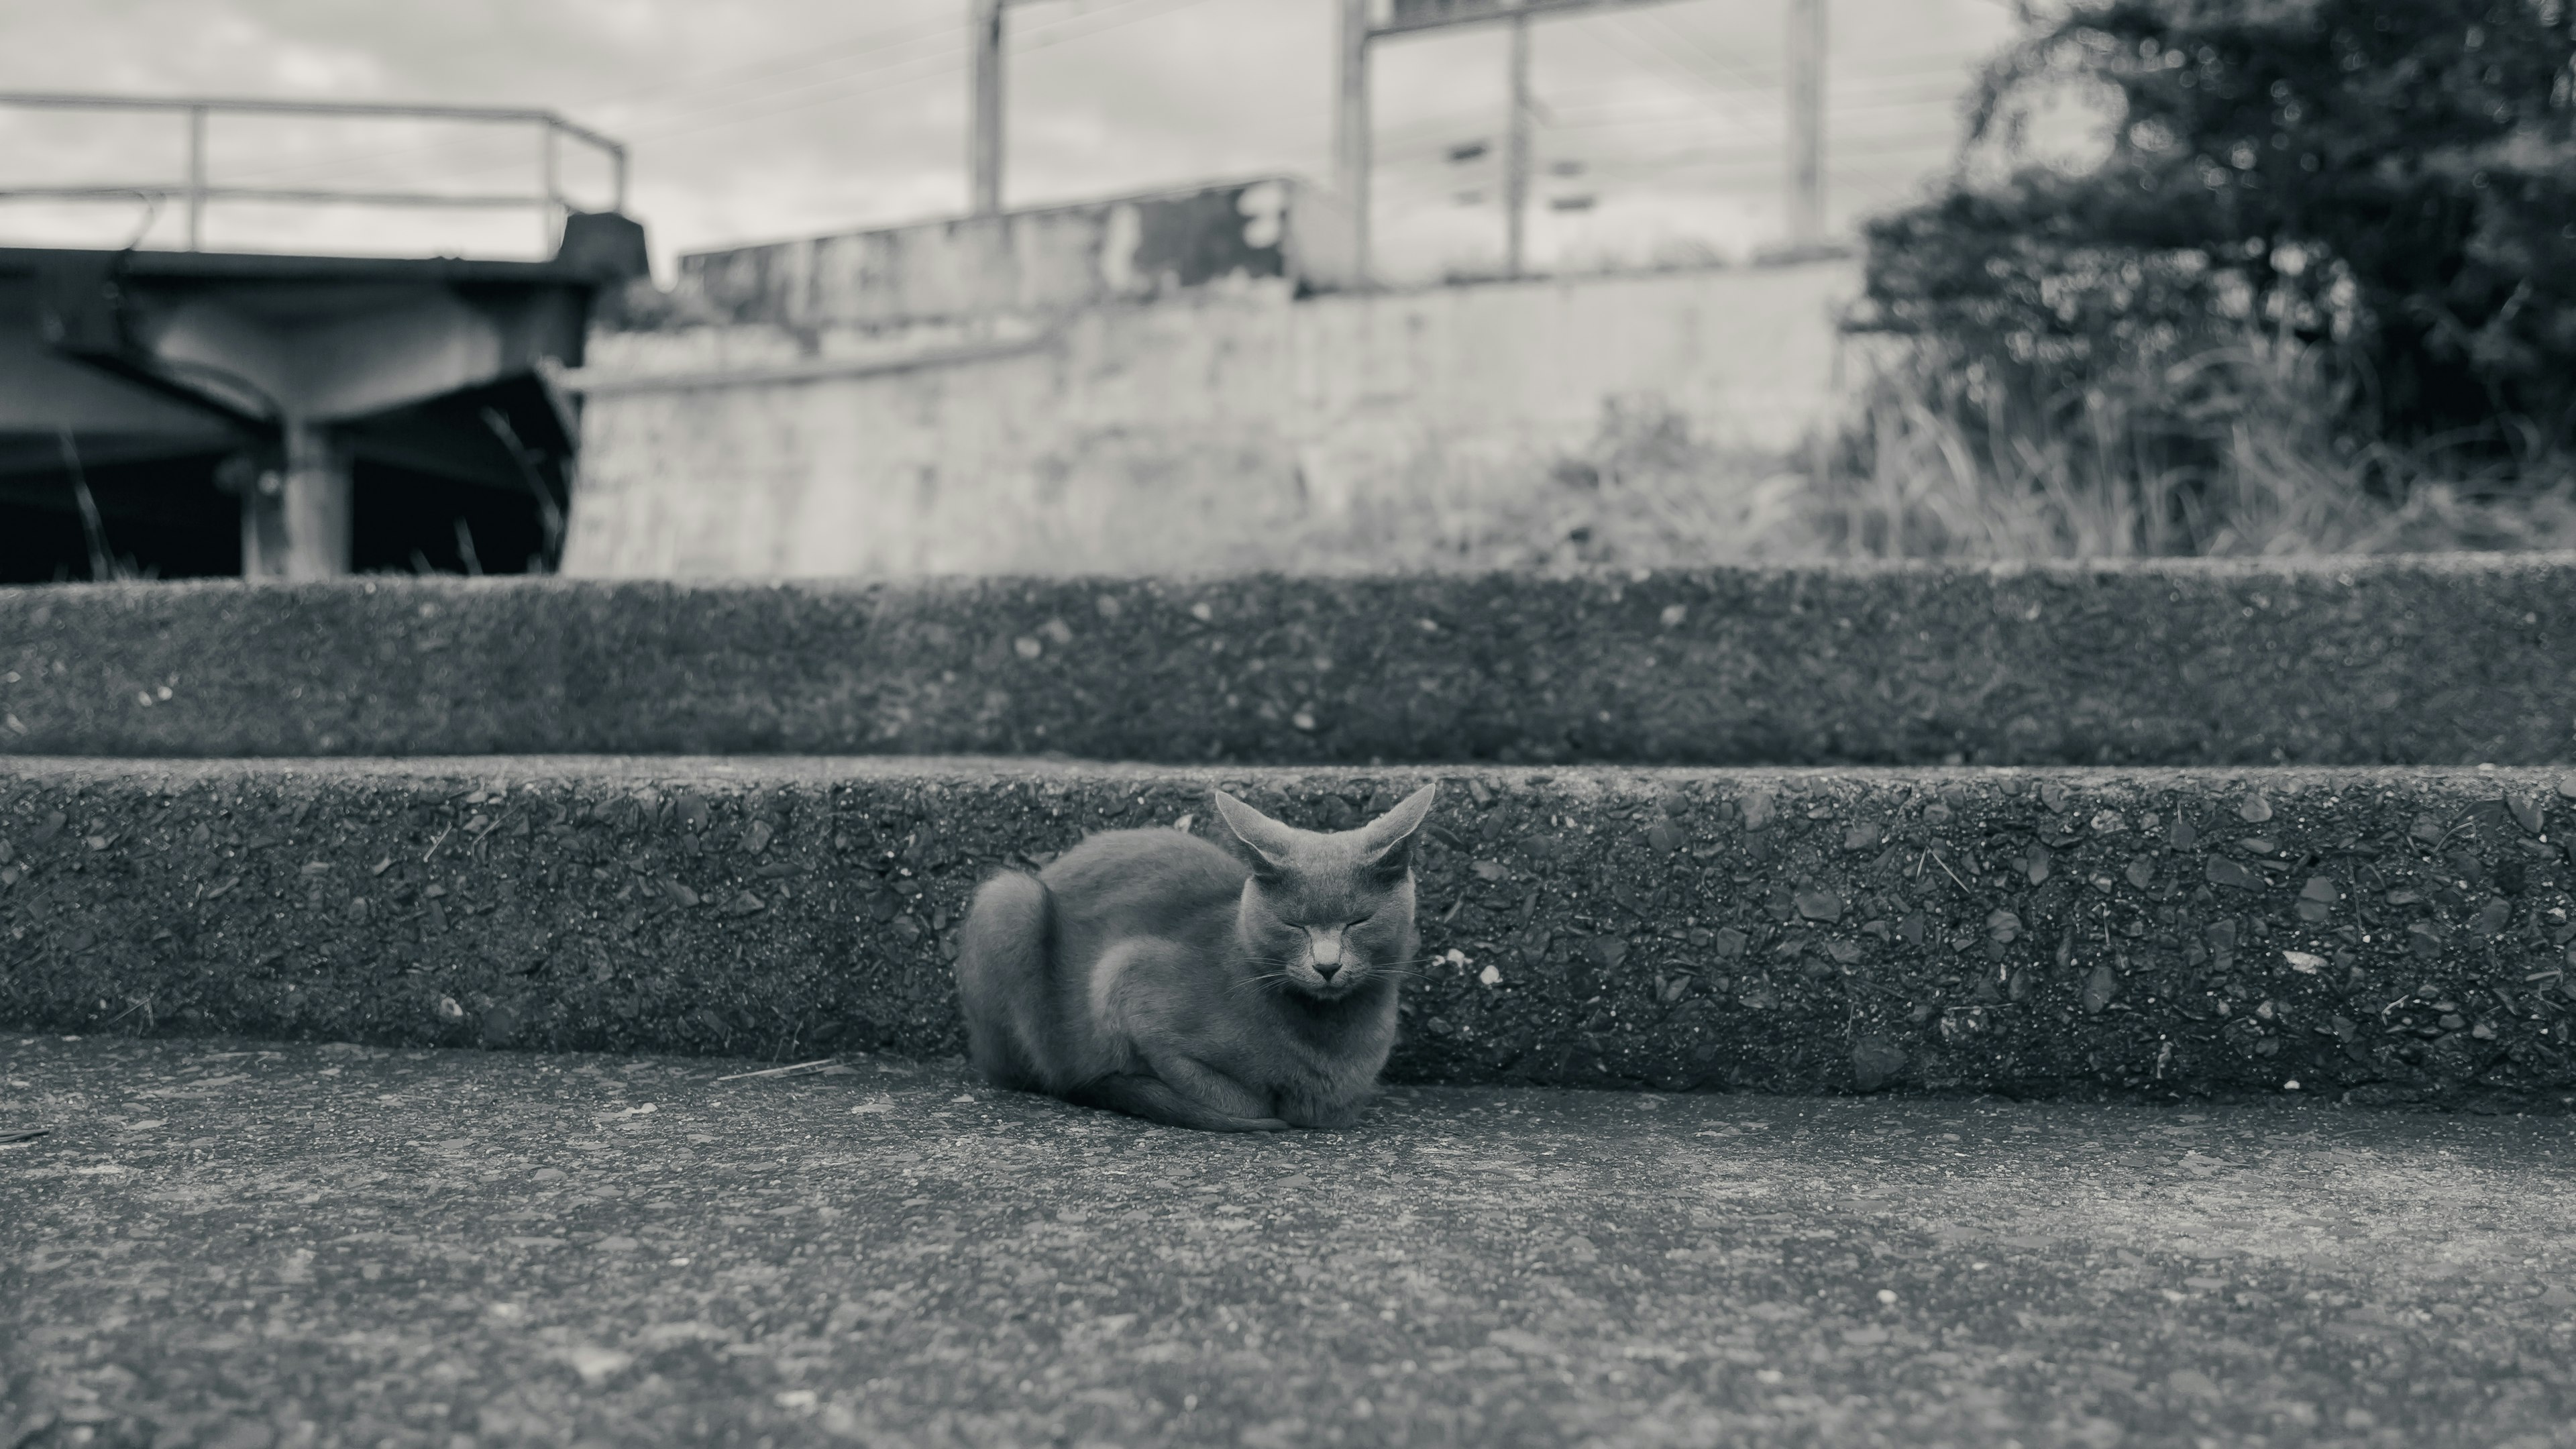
(2451, 661)
(1224, 429)
(2402, 934)
(323, 1246)
(1041, 260)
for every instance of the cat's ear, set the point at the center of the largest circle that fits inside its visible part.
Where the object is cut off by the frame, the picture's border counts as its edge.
(1269, 843)
(1387, 842)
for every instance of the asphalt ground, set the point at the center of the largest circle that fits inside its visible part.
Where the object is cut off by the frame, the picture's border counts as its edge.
(225, 1244)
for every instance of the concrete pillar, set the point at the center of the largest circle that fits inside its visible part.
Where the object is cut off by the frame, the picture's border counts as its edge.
(1351, 131)
(1516, 153)
(1806, 121)
(984, 118)
(296, 520)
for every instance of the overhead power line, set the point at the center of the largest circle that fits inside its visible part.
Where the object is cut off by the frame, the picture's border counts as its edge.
(944, 57)
(1039, 34)
(856, 47)
(1658, 20)
(1723, 98)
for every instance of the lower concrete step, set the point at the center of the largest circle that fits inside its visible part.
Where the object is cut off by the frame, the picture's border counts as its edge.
(219, 1244)
(2390, 933)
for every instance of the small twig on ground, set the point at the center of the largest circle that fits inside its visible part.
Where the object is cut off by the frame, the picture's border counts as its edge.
(811, 1066)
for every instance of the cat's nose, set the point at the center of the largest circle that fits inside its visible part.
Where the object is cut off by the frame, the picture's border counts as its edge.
(1326, 969)
(1326, 949)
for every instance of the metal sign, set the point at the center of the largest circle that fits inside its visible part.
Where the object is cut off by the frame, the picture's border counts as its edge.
(1403, 17)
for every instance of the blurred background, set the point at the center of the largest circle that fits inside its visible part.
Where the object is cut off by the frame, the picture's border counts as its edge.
(1664, 124)
(934, 286)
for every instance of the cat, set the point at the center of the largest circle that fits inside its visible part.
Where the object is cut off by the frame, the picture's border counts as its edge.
(1154, 973)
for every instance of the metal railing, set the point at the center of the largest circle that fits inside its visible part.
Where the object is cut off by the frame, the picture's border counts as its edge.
(551, 131)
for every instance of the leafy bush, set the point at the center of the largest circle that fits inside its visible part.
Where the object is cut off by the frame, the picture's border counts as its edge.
(2382, 192)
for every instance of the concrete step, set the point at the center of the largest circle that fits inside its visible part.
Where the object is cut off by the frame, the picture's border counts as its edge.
(2389, 933)
(2426, 661)
(220, 1244)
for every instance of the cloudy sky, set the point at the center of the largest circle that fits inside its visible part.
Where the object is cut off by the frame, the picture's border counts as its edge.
(1660, 131)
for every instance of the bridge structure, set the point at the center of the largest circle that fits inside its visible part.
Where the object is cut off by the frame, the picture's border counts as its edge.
(195, 411)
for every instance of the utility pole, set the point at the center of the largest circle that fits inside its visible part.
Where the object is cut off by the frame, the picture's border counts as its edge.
(1806, 122)
(1351, 131)
(984, 120)
(1516, 149)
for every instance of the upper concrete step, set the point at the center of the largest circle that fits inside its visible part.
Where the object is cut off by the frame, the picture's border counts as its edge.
(2397, 931)
(2451, 661)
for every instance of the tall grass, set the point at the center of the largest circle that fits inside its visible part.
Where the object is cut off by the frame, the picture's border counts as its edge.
(2243, 448)
(2240, 449)
(1643, 492)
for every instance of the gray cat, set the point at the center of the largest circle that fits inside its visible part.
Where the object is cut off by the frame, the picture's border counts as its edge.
(1150, 972)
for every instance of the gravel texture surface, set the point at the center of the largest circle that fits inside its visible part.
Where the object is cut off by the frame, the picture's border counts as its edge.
(2453, 661)
(222, 1244)
(2393, 934)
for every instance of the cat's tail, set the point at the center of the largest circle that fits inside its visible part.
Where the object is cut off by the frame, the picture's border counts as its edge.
(1155, 1100)
(1005, 981)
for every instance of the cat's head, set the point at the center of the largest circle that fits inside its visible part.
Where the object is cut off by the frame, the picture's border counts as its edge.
(1328, 913)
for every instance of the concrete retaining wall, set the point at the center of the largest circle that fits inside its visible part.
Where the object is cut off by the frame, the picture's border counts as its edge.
(2453, 661)
(1030, 261)
(1188, 435)
(2392, 933)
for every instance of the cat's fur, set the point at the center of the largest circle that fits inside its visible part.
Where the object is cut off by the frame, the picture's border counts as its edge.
(1154, 973)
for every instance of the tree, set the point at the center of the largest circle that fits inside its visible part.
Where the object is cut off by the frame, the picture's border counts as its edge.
(2392, 179)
